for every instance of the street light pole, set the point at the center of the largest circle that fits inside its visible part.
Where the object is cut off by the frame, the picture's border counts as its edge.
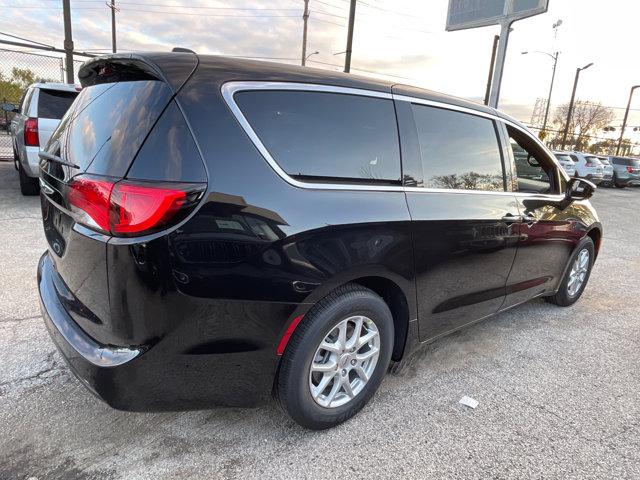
(573, 97)
(624, 122)
(307, 57)
(553, 76)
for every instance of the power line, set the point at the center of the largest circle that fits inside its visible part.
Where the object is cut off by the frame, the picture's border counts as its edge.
(385, 9)
(328, 4)
(361, 70)
(25, 39)
(199, 14)
(328, 14)
(316, 19)
(208, 7)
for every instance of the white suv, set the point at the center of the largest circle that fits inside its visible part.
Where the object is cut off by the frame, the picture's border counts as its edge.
(39, 113)
(566, 162)
(587, 166)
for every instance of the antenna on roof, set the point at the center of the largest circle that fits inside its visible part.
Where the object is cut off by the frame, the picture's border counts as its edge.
(183, 50)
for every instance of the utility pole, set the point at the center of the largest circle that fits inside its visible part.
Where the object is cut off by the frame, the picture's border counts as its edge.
(573, 97)
(496, 39)
(305, 18)
(113, 8)
(352, 17)
(624, 122)
(68, 39)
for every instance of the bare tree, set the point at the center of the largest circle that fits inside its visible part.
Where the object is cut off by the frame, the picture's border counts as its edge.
(587, 118)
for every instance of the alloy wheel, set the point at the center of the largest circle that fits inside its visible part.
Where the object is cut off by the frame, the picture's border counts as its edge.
(578, 272)
(344, 361)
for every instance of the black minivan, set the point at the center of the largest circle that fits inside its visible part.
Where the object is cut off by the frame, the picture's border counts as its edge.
(224, 230)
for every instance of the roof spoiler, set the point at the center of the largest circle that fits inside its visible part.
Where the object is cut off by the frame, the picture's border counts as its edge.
(182, 50)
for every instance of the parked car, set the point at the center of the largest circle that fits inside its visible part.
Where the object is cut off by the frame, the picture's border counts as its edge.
(587, 166)
(237, 229)
(566, 162)
(607, 174)
(39, 113)
(626, 171)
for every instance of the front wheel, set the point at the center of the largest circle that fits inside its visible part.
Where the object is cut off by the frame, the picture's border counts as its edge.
(336, 358)
(577, 275)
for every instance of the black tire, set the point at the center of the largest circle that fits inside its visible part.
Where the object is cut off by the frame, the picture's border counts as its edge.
(562, 298)
(28, 186)
(292, 384)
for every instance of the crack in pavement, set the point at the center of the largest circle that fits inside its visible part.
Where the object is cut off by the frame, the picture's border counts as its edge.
(52, 366)
(10, 320)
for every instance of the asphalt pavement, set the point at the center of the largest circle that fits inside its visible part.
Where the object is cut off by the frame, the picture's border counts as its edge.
(557, 391)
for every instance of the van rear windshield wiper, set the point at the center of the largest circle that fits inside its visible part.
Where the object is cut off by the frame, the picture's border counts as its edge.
(54, 158)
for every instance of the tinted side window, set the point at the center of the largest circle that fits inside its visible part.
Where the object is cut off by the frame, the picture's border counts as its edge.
(458, 150)
(623, 161)
(169, 153)
(54, 104)
(327, 135)
(534, 170)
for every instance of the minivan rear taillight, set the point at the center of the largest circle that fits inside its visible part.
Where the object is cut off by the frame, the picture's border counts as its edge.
(629, 169)
(31, 132)
(129, 208)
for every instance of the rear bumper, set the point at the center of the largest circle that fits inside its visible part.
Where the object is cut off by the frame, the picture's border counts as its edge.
(153, 377)
(628, 179)
(594, 178)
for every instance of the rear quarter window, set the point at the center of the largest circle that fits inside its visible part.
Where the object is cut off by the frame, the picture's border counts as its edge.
(320, 135)
(54, 103)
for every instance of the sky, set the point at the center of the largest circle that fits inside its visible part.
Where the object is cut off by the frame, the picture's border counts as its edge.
(404, 41)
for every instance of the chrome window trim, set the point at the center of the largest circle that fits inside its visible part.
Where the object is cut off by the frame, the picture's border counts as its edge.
(229, 89)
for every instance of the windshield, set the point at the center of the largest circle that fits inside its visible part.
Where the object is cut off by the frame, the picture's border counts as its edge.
(563, 157)
(54, 103)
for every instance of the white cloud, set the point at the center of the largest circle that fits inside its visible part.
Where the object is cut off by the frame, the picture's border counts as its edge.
(403, 39)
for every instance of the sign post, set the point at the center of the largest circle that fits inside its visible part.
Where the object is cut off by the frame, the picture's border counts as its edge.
(465, 14)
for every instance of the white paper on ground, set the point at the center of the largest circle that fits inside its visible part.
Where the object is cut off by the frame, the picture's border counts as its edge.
(469, 402)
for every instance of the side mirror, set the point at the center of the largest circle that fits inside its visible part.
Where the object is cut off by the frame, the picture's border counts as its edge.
(532, 161)
(9, 107)
(579, 189)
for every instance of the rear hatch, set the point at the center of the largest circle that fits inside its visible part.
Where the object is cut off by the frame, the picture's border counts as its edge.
(52, 105)
(594, 166)
(122, 163)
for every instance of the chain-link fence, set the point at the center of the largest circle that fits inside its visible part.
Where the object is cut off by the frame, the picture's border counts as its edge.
(18, 70)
